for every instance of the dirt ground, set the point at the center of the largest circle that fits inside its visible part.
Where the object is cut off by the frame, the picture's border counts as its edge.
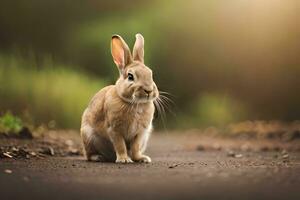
(185, 166)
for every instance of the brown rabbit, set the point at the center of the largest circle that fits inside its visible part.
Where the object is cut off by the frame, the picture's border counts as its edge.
(117, 122)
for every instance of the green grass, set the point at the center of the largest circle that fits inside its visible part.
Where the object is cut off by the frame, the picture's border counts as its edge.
(48, 91)
(10, 124)
(215, 109)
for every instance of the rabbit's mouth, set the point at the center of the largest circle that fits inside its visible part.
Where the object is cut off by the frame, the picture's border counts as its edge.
(143, 98)
(137, 98)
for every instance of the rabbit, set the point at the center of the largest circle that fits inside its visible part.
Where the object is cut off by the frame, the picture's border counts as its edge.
(117, 123)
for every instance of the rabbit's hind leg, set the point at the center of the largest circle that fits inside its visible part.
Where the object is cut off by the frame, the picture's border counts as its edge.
(87, 135)
(96, 147)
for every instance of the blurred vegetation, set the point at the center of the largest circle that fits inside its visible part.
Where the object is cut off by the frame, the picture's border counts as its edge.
(222, 61)
(10, 123)
(210, 109)
(48, 91)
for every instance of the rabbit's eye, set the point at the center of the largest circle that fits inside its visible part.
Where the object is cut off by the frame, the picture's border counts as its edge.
(130, 77)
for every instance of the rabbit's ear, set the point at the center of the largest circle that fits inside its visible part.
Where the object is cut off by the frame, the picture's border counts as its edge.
(138, 49)
(120, 52)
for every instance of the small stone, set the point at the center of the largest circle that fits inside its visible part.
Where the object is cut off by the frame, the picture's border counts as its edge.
(8, 171)
(7, 154)
(238, 155)
(23, 153)
(51, 151)
(73, 152)
(33, 153)
(285, 156)
(286, 161)
(47, 151)
(230, 154)
(14, 149)
(200, 148)
(283, 152)
(173, 166)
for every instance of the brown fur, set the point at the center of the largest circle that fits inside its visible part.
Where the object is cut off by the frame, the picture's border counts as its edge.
(117, 122)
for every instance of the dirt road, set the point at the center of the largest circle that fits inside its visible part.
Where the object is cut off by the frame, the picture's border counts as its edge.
(178, 171)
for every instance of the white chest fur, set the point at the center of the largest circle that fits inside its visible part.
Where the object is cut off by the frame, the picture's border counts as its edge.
(138, 126)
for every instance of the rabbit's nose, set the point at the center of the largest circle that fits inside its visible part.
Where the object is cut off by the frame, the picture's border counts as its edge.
(148, 91)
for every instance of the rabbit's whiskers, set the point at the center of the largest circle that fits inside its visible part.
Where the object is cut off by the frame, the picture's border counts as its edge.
(162, 104)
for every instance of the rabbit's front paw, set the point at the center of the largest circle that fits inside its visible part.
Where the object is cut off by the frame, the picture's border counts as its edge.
(124, 160)
(143, 158)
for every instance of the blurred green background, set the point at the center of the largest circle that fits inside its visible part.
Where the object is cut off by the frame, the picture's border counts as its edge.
(222, 61)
